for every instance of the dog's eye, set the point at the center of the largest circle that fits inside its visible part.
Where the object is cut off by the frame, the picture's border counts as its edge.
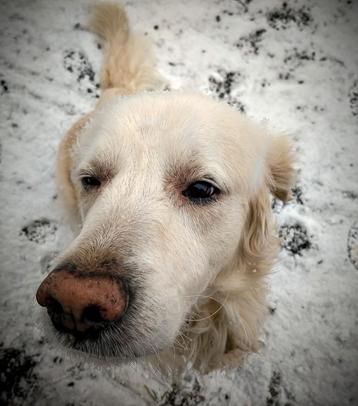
(90, 182)
(201, 192)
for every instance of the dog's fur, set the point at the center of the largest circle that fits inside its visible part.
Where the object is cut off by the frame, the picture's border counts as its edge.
(198, 271)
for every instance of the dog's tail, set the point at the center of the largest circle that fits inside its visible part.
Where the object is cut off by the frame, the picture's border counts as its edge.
(129, 63)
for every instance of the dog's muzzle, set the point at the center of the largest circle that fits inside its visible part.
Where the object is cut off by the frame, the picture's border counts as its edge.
(83, 303)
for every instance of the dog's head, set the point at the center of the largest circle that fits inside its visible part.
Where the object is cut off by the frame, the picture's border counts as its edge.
(171, 192)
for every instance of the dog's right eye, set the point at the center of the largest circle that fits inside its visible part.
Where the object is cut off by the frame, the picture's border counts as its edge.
(201, 192)
(90, 182)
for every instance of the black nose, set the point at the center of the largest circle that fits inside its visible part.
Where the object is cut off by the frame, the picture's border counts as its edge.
(82, 304)
(91, 320)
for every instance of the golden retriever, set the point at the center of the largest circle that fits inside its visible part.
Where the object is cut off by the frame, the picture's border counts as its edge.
(169, 195)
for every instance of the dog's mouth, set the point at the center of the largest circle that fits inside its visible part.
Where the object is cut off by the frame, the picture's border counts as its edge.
(108, 342)
(129, 338)
(100, 313)
(105, 314)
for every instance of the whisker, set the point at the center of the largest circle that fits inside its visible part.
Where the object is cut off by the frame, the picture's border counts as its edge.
(212, 314)
(202, 296)
(180, 344)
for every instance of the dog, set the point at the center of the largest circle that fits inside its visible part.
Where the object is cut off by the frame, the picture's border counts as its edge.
(169, 195)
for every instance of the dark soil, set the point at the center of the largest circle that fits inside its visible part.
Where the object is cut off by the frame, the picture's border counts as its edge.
(353, 98)
(352, 245)
(17, 379)
(294, 238)
(77, 62)
(4, 86)
(281, 18)
(38, 231)
(250, 43)
(223, 86)
(274, 389)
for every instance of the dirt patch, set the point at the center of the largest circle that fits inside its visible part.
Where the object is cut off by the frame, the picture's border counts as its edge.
(4, 86)
(278, 395)
(297, 57)
(183, 397)
(39, 231)
(294, 238)
(78, 63)
(297, 194)
(250, 43)
(281, 18)
(274, 390)
(222, 85)
(352, 245)
(353, 98)
(17, 379)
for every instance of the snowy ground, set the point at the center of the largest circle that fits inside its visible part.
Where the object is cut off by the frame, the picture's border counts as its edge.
(295, 64)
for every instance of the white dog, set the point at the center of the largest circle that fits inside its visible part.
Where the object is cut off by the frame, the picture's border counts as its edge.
(169, 193)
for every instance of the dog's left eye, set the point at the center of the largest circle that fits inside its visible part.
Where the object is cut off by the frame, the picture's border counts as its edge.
(90, 182)
(201, 192)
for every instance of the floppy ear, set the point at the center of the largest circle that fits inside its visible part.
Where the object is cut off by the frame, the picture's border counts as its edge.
(259, 244)
(66, 189)
(280, 167)
(241, 288)
(258, 237)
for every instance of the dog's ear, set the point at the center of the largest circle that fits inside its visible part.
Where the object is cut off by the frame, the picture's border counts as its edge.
(257, 239)
(280, 175)
(66, 189)
(244, 280)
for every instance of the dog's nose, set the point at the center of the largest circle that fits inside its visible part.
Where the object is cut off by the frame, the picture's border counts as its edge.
(81, 302)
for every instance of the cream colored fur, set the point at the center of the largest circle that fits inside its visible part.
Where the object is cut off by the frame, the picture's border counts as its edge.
(129, 59)
(205, 268)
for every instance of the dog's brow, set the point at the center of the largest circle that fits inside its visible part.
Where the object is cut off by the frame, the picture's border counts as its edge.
(180, 175)
(100, 169)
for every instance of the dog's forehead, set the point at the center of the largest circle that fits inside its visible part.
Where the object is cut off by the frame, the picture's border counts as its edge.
(158, 125)
(159, 119)
(162, 128)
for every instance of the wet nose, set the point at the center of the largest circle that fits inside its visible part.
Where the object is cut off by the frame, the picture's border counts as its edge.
(82, 302)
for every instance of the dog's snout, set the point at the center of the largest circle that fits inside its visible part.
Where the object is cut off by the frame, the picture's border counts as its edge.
(82, 302)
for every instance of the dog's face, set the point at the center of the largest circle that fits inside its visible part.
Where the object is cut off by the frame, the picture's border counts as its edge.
(162, 184)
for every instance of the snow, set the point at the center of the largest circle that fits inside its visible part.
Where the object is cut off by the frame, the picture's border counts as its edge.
(295, 65)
